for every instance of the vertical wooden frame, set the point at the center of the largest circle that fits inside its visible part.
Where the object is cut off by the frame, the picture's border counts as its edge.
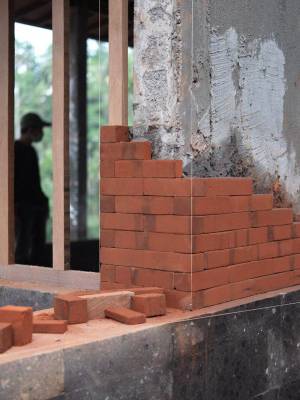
(60, 139)
(7, 132)
(118, 62)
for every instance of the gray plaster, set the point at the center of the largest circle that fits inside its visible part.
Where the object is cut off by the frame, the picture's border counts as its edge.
(218, 87)
(38, 300)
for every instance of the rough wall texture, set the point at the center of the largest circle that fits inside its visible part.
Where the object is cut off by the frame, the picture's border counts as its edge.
(217, 85)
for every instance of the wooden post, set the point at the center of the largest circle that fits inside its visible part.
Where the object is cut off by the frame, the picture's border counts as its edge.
(6, 132)
(60, 129)
(118, 62)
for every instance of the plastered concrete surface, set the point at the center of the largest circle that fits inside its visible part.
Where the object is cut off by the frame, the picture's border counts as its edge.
(217, 85)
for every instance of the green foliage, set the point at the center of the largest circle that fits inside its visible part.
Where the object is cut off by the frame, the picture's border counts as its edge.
(33, 92)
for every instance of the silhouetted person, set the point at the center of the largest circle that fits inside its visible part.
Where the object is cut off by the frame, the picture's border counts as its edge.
(31, 204)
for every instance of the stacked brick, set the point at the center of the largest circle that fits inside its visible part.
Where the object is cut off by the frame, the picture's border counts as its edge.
(203, 240)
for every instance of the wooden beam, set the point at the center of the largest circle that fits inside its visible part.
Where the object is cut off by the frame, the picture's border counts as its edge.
(60, 141)
(118, 62)
(7, 132)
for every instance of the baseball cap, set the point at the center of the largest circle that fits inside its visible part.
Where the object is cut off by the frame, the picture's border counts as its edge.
(33, 120)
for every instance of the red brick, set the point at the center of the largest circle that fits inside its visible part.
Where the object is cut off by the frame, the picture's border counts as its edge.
(167, 187)
(112, 286)
(125, 315)
(201, 280)
(108, 273)
(143, 277)
(107, 238)
(6, 336)
(121, 186)
(163, 279)
(296, 246)
(244, 254)
(241, 237)
(125, 151)
(222, 222)
(169, 242)
(168, 224)
(70, 308)
(216, 295)
(124, 275)
(268, 250)
(261, 202)
(129, 168)
(211, 205)
(43, 326)
(126, 222)
(145, 290)
(277, 216)
(107, 168)
(217, 258)
(151, 304)
(296, 261)
(114, 133)
(21, 320)
(145, 204)
(241, 272)
(272, 282)
(184, 300)
(286, 247)
(130, 240)
(258, 235)
(183, 205)
(296, 230)
(166, 261)
(227, 186)
(242, 289)
(107, 204)
(162, 169)
(213, 241)
(280, 232)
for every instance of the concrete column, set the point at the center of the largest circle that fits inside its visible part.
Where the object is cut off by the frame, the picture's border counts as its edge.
(78, 119)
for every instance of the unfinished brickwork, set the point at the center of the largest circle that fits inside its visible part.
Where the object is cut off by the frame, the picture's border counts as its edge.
(205, 241)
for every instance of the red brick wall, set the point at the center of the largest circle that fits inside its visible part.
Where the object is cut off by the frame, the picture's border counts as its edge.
(204, 240)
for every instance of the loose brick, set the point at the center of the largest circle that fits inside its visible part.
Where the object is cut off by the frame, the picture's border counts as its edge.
(50, 326)
(125, 151)
(216, 295)
(217, 258)
(145, 204)
(254, 269)
(114, 133)
(121, 186)
(70, 308)
(166, 261)
(125, 315)
(126, 222)
(98, 303)
(152, 304)
(107, 168)
(6, 336)
(108, 273)
(261, 202)
(277, 216)
(146, 290)
(21, 320)
(268, 250)
(280, 232)
(227, 186)
(107, 204)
